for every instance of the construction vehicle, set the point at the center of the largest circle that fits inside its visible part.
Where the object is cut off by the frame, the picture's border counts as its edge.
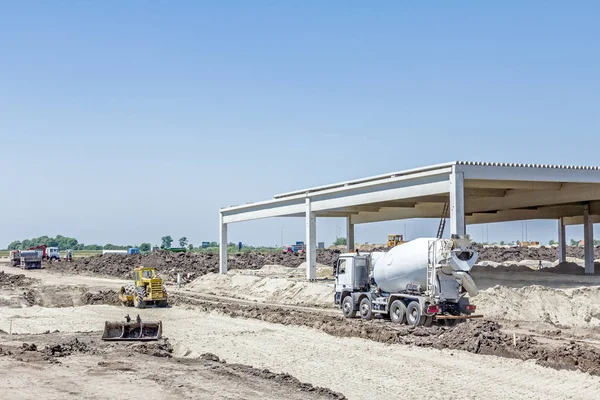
(418, 282)
(527, 244)
(395, 240)
(148, 289)
(69, 255)
(298, 248)
(132, 330)
(47, 253)
(26, 259)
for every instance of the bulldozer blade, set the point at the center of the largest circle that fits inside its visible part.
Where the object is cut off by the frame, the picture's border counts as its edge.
(137, 330)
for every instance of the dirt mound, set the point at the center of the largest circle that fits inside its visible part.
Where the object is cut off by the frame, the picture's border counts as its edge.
(11, 281)
(157, 349)
(109, 297)
(543, 253)
(190, 265)
(284, 378)
(66, 349)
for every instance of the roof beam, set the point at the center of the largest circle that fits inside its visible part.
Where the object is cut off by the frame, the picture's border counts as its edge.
(529, 173)
(553, 212)
(569, 193)
(510, 184)
(422, 210)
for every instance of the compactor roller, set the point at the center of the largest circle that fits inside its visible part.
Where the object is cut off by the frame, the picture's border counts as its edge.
(132, 330)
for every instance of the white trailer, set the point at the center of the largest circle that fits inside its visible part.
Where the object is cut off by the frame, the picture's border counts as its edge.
(416, 282)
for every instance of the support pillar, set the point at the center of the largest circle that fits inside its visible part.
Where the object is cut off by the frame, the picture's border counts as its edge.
(588, 240)
(222, 245)
(562, 241)
(457, 203)
(349, 235)
(311, 242)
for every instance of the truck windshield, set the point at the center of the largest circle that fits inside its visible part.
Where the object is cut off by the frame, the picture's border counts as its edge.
(147, 274)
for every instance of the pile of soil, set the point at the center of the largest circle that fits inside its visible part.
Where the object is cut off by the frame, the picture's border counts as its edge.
(11, 281)
(284, 378)
(190, 265)
(109, 297)
(543, 253)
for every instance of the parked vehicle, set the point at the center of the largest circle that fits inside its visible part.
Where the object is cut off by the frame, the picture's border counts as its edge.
(417, 282)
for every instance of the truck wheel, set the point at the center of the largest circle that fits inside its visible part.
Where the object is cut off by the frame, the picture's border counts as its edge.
(414, 316)
(450, 322)
(138, 298)
(348, 307)
(366, 312)
(398, 312)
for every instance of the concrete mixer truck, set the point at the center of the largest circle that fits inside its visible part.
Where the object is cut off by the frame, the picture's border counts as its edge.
(418, 282)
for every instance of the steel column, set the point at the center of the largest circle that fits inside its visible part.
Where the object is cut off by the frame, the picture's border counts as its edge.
(588, 240)
(562, 241)
(349, 235)
(311, 242)
(222, 245)
(457, 202)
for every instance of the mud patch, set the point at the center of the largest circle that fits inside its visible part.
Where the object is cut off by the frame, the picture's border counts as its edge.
(13, 281)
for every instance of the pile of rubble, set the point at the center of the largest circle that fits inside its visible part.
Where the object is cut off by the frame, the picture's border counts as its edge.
(189, 265)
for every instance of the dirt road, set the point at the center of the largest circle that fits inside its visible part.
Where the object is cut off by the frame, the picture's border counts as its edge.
(358, 368)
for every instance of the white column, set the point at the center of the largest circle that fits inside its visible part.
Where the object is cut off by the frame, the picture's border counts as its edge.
(349, 234)
(562, 241)
(457, 202)
(222, 245)
(588, 239)
(311, 242)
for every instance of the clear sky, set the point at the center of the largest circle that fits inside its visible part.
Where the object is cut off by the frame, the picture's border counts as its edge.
(125, 121)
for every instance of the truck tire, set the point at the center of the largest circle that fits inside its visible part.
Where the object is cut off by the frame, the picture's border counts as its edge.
(366, 311)
(348, 307)
(138, 298)
(398, 312)
(414, 316)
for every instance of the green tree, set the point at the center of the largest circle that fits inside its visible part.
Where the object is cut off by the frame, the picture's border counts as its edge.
(190, 247)
(574, 242)
(183, 241)
(145, 247)
(340, 241)
(213, 244)
(502, 243)
(16, 245)
(552, 243)
(166, 242)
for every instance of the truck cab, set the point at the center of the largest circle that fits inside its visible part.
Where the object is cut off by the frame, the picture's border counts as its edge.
(53, 253)
(351, 274)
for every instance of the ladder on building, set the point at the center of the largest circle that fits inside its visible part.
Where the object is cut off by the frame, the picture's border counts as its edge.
(431, 264)
(442, 226)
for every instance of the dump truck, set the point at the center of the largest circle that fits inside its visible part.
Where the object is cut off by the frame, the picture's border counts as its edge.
(147, 289)
(132, 330)
(26, 259)
(418, 282)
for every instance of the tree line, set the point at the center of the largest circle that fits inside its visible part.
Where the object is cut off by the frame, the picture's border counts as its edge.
(64, 243)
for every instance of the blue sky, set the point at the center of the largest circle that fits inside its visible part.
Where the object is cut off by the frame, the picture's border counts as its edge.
(125, 121)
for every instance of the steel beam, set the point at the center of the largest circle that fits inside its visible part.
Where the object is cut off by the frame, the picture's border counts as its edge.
(530, 174)
(311, 242)
(588, 240)
(562, 241)
(222, 245)
(422, 210)
(457, 203)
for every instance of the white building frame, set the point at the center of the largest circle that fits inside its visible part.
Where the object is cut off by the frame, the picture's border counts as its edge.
(477, 192)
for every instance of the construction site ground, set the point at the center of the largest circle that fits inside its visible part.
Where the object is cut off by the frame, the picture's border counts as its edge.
(540, 339)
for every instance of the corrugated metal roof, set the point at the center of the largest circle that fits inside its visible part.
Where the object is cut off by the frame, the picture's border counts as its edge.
(520, 165)
(433, 167)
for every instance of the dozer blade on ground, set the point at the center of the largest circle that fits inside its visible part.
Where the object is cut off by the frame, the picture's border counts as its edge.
(132, 330)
